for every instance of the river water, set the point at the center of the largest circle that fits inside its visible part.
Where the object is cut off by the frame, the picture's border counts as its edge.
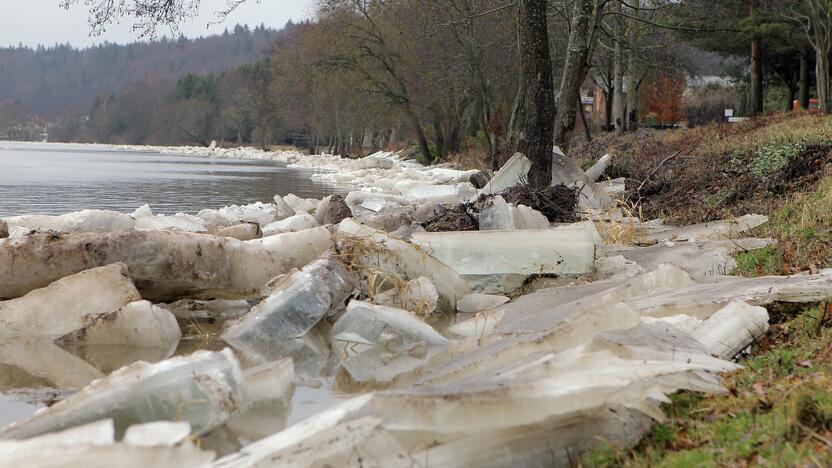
(51, 178)
(55, 179)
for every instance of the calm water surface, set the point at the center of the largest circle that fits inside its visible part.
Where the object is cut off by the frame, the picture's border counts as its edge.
(54, 179)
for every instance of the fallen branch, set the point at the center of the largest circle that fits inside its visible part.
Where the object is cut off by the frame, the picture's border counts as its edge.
(655, 169)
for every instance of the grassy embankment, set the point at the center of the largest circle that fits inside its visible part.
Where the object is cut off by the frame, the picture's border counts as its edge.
(778, 411)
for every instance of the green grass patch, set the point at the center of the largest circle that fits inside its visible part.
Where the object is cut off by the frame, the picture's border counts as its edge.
(778, 410)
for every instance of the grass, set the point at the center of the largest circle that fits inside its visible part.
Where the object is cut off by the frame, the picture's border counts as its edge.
(778, 410)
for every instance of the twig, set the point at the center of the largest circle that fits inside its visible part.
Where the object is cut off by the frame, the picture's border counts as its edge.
(656, 169)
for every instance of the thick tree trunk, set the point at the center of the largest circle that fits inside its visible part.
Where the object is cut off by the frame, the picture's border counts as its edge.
(574, 72)
(536, 117)
(618, 85)
(804, 78)
(420, 134)
(756, 67)
(822, 72)
(756, 76)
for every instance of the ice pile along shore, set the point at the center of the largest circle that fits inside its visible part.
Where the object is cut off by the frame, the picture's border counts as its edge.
(353, 289)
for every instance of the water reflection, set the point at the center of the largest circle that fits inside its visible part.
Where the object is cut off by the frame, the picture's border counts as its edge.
(55, 179)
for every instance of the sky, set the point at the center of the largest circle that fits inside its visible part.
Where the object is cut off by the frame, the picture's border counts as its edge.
(34, 22)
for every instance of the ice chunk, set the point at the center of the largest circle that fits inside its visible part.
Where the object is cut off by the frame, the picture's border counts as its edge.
(514, 172)
(478, 302)
(179, 222)
(702, 259)
(203, 389)
(299, 204)
(214, 220)
(441, 193)
(243, 231)
(332, 210)
(597, 170)
(165, 265)
(69, 304)
(75, 222)
(418, 296)
(269, 389)
(158, 433)
(46, 361)
(298, 301)
(137, 324)
(702, 301)
(526, 252)
(714, 230)
(259, 213)
(380, 324)
(564, 169)
(143, 212)
(380, 365)
(218, 309)
(727, 332)
(616, 267)
(295, 249)
(298, 222)
(371, 249)
(311, 354)
(265, 451)
(283, 208)
(496, 214)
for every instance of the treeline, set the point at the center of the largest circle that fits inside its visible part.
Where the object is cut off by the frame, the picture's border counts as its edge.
(62, 81)
(447, 75)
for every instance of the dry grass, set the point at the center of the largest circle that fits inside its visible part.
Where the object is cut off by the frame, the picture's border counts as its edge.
(623, 224)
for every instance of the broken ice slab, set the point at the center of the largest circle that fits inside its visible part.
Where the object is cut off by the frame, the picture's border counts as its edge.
(533, 251)
(139, 324)
(298, 222)
(108, 358)
(45, 361)
(311, 354)
(376, 324)
(377, 366)
(418, 296)
(549, 307)
(180, 222)
(157, 433)
(69, 304)
(297, 302)
(455, 194)
(268, 450)
(259, 213)
(496, 214)
(714, 230)
(243, 231)
(204, 389)
(703, 260)
(300, 204)
(565, 170)
(514, 172)
(727, 332)
(372, 324)
(165, 265)
(283, 208)
(268, 389)
(332, 210)
(597, 170)
(294, 249)
(484, 353)
(473, 303)
(612, 187)
(370, 249)
(535, 388)
(616, 267)
(218, 309)
(75, 222)
(702, 301)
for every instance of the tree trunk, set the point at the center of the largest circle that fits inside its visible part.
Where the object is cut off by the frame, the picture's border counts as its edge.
(608, 110)
(756, 77)
(420, 134)
(537, 114)
(804, 78)
(574, 73)
(822, 72)
(618, 86)
(756, 68)
(633, 66)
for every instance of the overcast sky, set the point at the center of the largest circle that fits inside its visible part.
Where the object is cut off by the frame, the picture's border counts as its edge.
(34, 22)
